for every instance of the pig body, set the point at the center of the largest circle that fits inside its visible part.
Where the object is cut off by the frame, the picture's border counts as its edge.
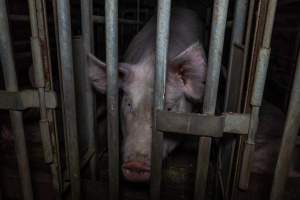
(186, 73)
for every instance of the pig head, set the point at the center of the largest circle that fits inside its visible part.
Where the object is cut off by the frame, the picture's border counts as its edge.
(186, 71)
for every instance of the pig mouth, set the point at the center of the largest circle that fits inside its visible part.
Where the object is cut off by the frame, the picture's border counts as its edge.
(135, 171)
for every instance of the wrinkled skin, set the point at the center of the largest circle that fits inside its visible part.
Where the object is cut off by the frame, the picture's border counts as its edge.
(184, 88)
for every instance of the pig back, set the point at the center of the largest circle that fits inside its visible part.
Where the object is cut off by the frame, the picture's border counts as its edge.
(185, 29)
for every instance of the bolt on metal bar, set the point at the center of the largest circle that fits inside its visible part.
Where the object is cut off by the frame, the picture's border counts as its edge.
(257, 94)
(210, 98)
(162, 42)
(86, 97)
(68, 94)
(11, 84)
(288, 140)
(111, 31)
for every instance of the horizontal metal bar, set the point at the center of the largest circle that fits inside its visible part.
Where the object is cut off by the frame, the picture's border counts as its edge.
(25, 99)
(188, 123)
(237, 123)
(202, 124)
(101, 20)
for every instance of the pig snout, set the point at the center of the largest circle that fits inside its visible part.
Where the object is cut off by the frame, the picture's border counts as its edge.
(136, 171)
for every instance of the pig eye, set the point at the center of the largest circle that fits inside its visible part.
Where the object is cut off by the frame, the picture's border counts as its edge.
(169, 107)
(128, 104)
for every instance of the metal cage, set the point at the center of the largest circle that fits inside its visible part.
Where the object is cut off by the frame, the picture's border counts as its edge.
(206, 126)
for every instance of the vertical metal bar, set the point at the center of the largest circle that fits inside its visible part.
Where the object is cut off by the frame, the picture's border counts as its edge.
(38, 67)
(56, 139)
(258, 34)
(111, 30)
(234, 84)
(260, 78)
(247, 42)
(11, 84)
(257, 94)
(215, 55)
(138, 13)
(240, 15)
(289, 139)
(51, 114)
(210, 98)
(162, 42)
(68, 94)
(86, 95)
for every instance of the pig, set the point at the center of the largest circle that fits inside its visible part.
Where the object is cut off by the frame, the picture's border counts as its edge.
(186, 74)
(268, 140)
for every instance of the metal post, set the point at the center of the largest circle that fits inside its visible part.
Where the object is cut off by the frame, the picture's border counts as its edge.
(235, 78)
(232, 93)
(11, 84)
(162, 42)
(40, 81)
(257, 94)
(138, 13)
(289, 139)
(86, 99)
(210, 98)
(68, 94)
(42, 20)
(111, 30)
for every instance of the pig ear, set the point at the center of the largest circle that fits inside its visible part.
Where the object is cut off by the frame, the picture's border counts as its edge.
(97, 73)
(190, 66)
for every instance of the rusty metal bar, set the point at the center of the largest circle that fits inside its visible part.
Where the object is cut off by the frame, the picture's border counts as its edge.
(11, 84)
(86, 98)
(111, 30)
(257, 93)
(39, 81)
(162, 41)
(68, 94)
(210, 98)
(50, 123)
(288, 140)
